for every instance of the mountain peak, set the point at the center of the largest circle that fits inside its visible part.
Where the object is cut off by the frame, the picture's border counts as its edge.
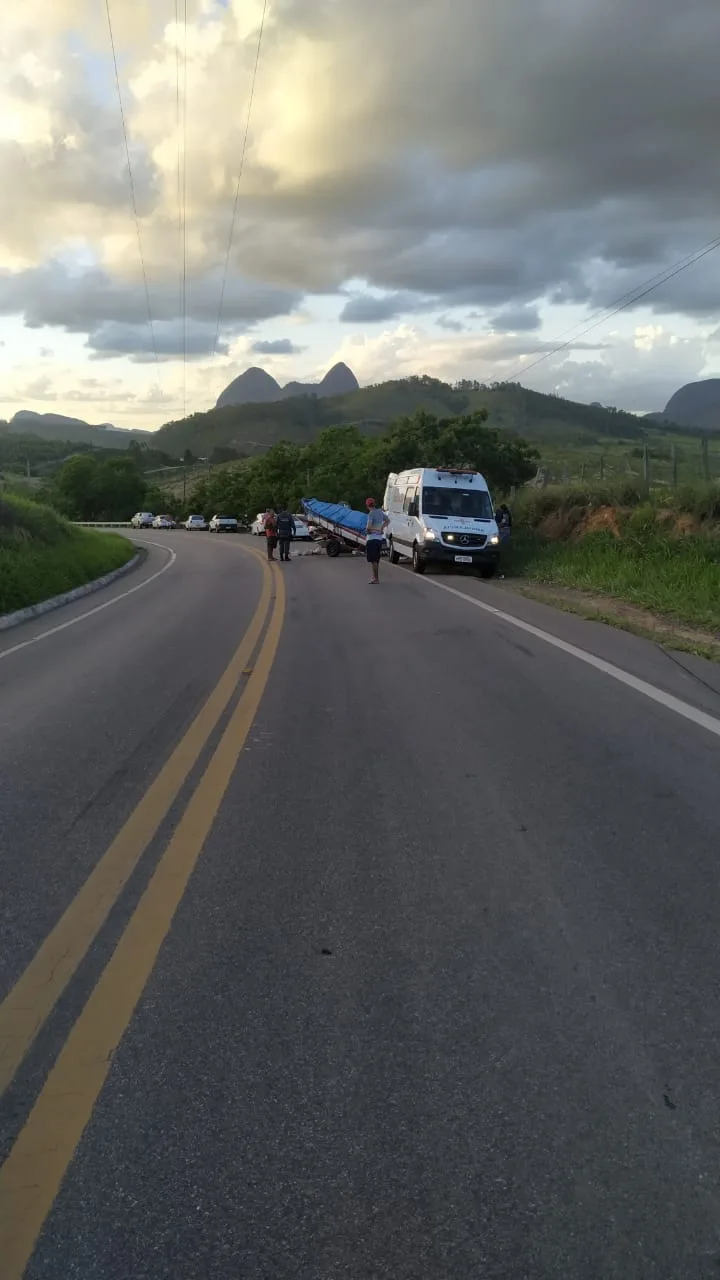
(339, 380)
(255, 386)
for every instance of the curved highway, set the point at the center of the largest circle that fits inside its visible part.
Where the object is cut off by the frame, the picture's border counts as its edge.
(353, 933)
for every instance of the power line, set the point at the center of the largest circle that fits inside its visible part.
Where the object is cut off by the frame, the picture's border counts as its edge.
(132, 189)
(184, 212)
(240, 174)
(178, 137)
(621, 304)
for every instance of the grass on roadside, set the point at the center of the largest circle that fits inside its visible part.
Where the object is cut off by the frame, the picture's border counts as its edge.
(645, 556)
(42, 555)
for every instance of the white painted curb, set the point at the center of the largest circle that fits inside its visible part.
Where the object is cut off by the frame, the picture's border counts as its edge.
(8, 620)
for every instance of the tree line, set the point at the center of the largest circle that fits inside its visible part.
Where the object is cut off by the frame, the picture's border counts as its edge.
(344, 465)
(340, 465)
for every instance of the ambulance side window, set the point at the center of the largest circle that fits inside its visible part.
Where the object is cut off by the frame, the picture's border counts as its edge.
(410, 496)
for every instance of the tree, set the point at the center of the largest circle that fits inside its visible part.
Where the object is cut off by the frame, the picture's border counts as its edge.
(119, 489)
(73, 489)
(88, 488)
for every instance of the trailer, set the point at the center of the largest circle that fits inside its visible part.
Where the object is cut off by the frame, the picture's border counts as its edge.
(340, 528)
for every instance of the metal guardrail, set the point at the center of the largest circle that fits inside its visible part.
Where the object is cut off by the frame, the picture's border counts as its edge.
(104, 524)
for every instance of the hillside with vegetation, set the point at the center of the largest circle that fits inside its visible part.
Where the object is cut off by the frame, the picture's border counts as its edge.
(42, 555)
(647, 561)
(344, 465)
(57, 426)
(252, 428)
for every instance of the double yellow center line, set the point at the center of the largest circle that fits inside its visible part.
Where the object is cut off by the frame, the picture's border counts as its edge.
(32, 1174)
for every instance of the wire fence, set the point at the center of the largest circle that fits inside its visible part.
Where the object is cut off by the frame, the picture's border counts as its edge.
(694, 462)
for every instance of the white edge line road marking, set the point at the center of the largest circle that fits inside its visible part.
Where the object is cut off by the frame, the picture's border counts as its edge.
(62, 626)
(711, 723)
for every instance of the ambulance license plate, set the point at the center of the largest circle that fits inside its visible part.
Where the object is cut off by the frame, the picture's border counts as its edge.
(463, 559)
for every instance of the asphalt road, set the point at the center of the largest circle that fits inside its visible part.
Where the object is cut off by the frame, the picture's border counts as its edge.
(440, 999)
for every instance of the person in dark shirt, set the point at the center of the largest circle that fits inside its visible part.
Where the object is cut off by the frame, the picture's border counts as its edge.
(503, 520)
(285, 532)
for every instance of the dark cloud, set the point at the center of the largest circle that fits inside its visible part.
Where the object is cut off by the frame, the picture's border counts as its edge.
(112, 339)
(517, 320)
(276, 347)
(564, 150)
(113, 313)
(368, 308)
(453, 326)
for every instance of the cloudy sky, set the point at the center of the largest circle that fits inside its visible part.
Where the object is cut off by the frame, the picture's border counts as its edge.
(441, 186)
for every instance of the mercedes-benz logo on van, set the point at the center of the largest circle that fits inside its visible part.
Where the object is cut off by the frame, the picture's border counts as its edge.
(464, 539)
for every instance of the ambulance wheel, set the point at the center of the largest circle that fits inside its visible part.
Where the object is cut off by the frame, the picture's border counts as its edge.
(393, 555)
(418, 561)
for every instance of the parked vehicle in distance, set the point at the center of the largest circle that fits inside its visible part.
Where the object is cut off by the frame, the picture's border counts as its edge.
(442, 515)
(223, 524)
(302, 530)
(142, 520)
(195, 522)
(258, 525)
(163, 522)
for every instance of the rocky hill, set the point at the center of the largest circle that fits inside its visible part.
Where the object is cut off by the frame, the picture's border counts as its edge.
(255, 386)
(697, 404)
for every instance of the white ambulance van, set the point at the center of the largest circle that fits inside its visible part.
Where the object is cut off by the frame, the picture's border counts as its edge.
(442, 516)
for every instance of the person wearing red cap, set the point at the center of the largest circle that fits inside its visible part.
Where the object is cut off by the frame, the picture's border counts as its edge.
(377, 523)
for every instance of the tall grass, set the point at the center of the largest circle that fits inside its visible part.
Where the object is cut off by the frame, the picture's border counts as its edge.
(699, 500)
(41, 555)
(651, 564)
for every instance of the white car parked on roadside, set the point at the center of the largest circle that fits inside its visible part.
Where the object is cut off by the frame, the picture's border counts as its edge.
(142, 520)
(258, 525)
(195, 522)
(223, 524)
(163, 522)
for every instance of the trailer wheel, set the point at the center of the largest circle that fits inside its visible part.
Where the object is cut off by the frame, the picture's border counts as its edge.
(333, 548)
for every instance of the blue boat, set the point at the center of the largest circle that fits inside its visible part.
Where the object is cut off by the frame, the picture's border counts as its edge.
(344, 528)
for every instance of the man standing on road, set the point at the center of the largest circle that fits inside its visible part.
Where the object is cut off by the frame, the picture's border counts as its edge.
(285, 531)
(271, 533)
(377, 523)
